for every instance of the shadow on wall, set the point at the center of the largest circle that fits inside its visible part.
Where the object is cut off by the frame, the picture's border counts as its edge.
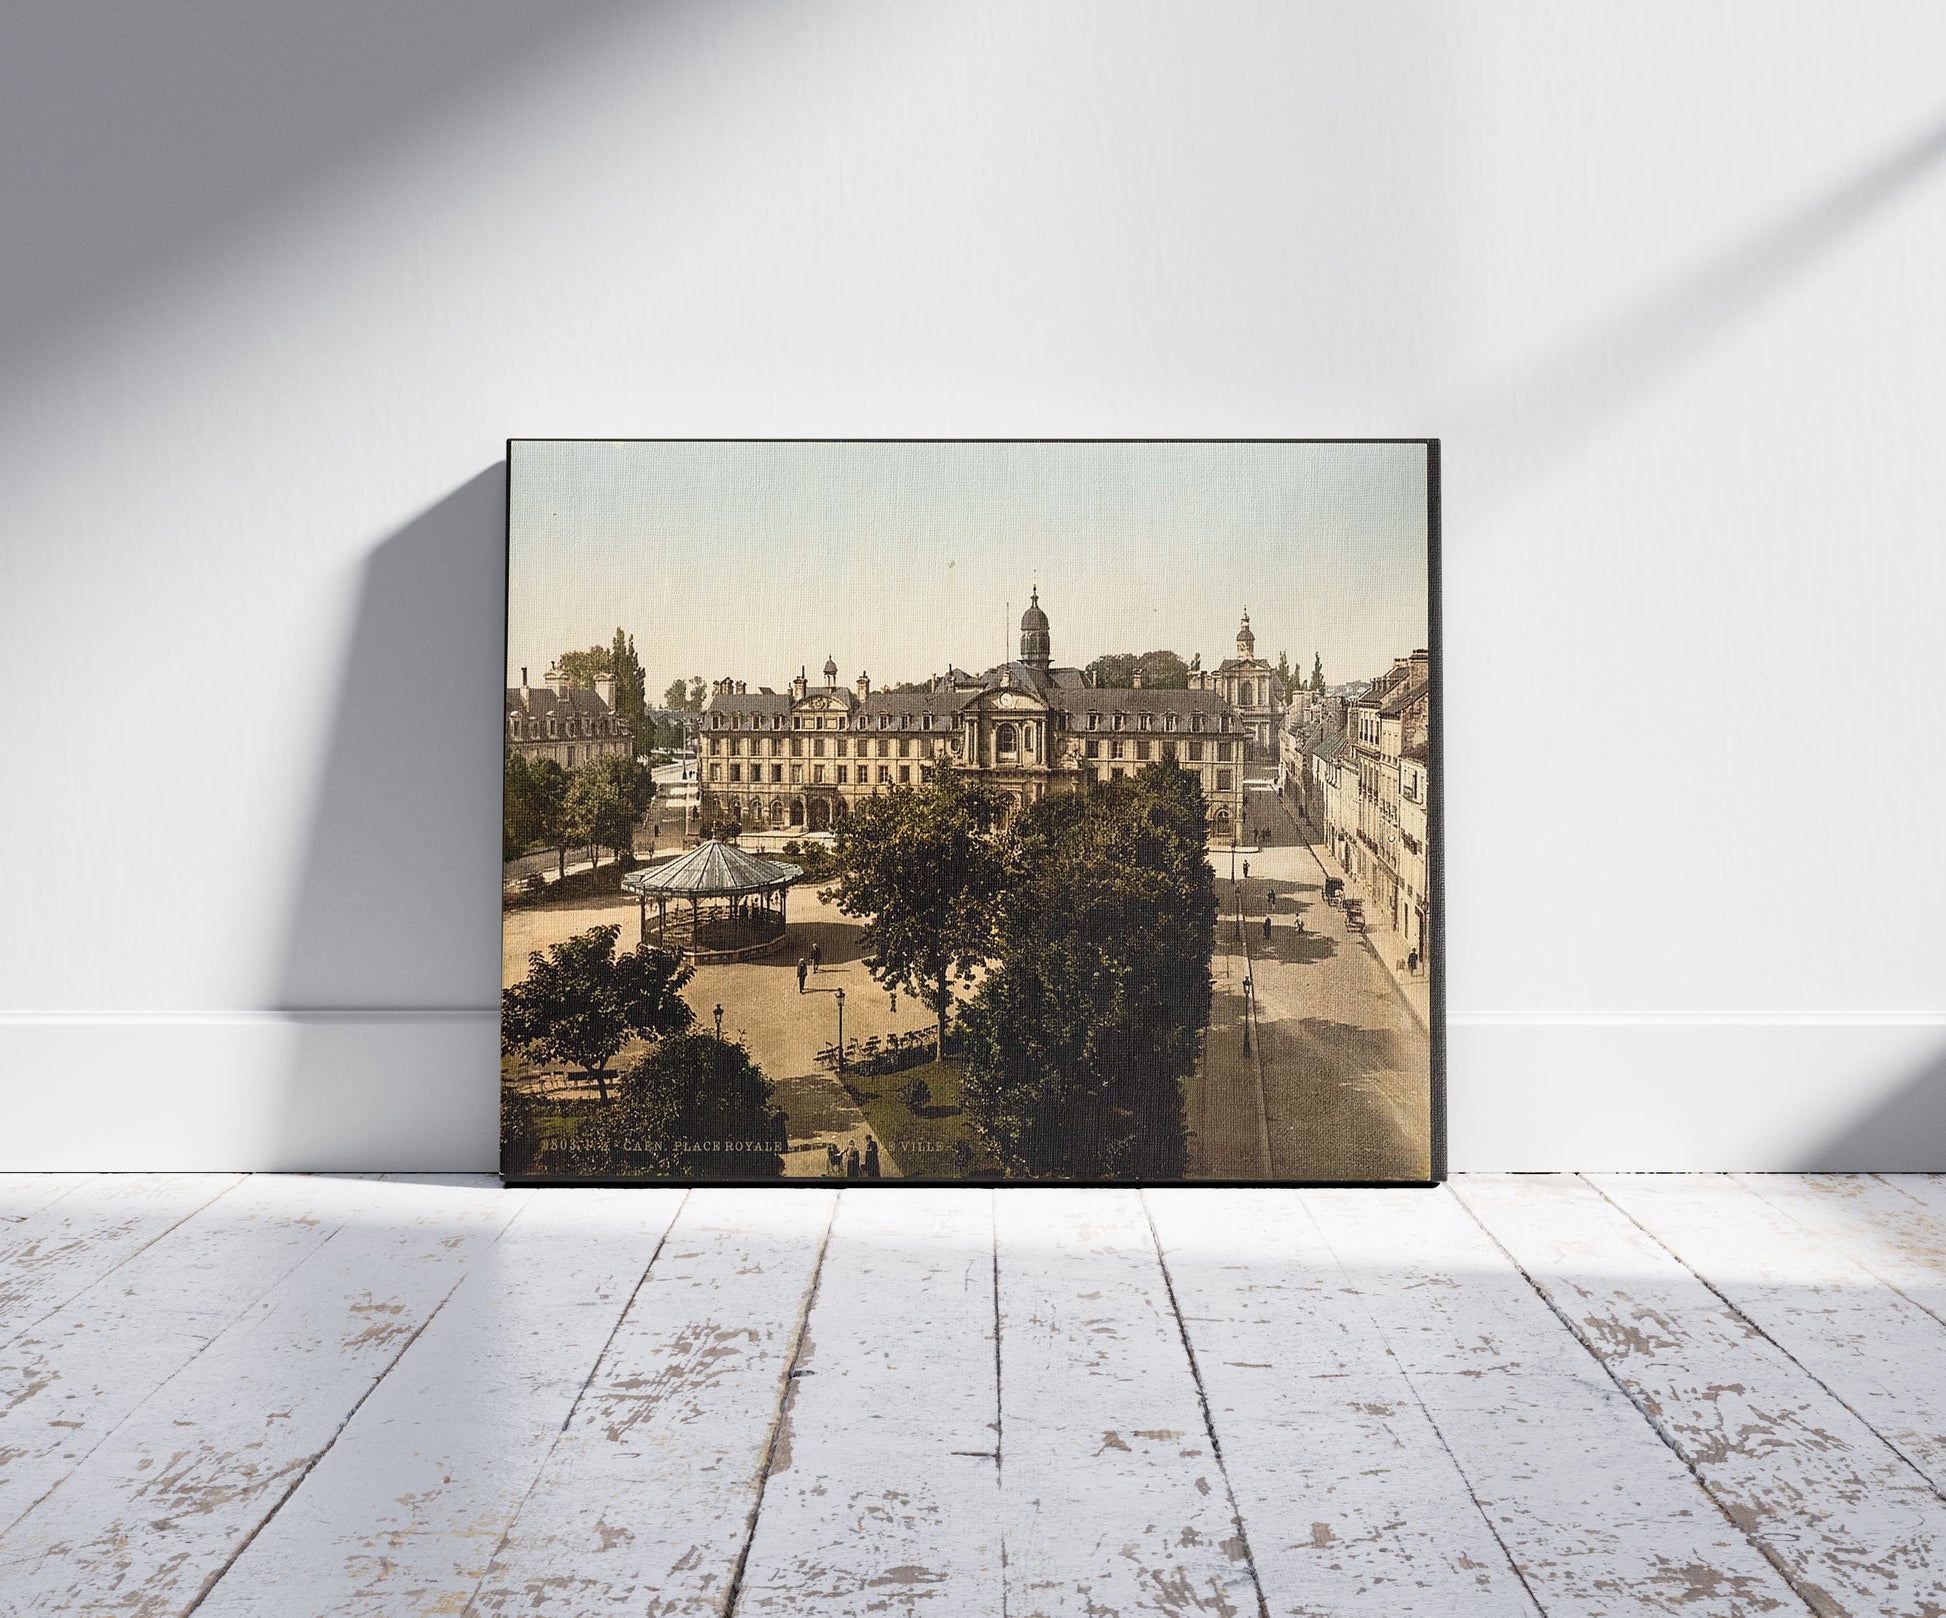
(133, 140)
(391, 966)
(1905, 1133)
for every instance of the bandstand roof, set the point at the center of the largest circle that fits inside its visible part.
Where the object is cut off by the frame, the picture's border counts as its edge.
(711, 870)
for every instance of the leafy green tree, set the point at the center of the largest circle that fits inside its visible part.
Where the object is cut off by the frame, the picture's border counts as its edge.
(536, 806)
(585, 667)
(1317, 671)
(1164, 671)
(922, 865)
(1284, 670)
(631, 692)
(696, 1107)
(580, 1002)
(1080, 1043)
(606, 800)
(520, 814)
(685, 696)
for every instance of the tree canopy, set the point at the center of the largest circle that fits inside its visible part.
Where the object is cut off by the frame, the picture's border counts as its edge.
(1165, 671)
(685, 695)
(921, 864)
(1317, 671)
(580, 1002)
(583, 668)
(533, 806)
(1082, 1039)
(606, 799)
(695, 1107)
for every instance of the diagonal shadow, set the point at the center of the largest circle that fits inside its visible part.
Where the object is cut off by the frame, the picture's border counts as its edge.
(1545, 411)
(1904, 1135)
(132, 135)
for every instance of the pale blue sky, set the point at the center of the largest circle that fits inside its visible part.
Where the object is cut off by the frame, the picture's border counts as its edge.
(751, 559)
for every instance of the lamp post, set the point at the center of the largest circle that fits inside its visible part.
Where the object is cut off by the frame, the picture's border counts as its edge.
(719, 1022)
(1247, 991)
(841, 1030)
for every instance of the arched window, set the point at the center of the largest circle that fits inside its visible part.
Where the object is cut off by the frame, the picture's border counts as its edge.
(1006, 739)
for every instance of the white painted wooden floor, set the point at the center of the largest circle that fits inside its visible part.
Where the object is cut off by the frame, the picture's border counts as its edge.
(1565, 1395)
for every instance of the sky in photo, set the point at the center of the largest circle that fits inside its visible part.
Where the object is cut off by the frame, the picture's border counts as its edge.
(751, 560)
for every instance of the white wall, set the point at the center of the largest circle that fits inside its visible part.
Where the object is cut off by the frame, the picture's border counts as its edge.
(279, 281)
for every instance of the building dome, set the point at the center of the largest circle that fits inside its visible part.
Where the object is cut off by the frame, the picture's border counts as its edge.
(1036, 642)
(830, 671)
(1246, 641)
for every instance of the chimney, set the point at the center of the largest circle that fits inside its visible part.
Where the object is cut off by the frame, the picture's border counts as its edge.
(605, 689)
(1137, 679)
(557, 682)
(743, 687)
(864, 685)
(800, 683)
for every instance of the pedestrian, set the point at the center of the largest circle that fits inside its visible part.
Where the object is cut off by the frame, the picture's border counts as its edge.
(871, 1158)
(1298, 923)
(834, 1160)
(1246, 870)
(803, 971)
(1266, 924)
(817, 957)
(1412, 962)
(851, 1161)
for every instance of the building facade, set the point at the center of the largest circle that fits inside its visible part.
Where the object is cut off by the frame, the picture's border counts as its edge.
(803, 757)
(1252, 689)
(567, 723)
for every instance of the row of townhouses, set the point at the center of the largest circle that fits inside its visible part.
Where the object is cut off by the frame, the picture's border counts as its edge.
(1357, 761)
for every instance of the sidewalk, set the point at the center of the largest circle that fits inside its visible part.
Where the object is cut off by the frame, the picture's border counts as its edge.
(1384, 943)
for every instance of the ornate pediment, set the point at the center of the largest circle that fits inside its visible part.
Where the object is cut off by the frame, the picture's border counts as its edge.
(1010, 701)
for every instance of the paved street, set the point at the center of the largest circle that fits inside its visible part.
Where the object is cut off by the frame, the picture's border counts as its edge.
(1336, 1085)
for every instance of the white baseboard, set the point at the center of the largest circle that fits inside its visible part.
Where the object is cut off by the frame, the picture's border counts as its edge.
(416, 1090)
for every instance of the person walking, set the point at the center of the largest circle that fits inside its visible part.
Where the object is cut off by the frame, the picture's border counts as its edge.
(851, 1161)
(803, 971)
(1266, 924)
(834, 1160)
(871, 1157)
(817, 957)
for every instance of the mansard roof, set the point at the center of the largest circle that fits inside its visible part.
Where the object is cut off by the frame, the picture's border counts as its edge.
(543, 702)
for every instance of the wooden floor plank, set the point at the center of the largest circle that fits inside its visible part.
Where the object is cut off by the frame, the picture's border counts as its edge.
(1872, 1347)
(1350, 1500)
(884, 1493)
(645, 1503)
(153, 1515)
(1893, 1224)
(1851, 1523)
(62, 1248)
(1112, 1497)
(72, 1378)
(1600, 1517)
(403, 1514)
(23, 1194)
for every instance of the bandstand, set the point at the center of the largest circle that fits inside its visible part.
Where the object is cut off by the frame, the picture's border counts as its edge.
(737, 901)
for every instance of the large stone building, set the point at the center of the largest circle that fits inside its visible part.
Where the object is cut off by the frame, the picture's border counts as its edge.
(1250, 686)
(567, 723)
(1377, 782)
(802, 757)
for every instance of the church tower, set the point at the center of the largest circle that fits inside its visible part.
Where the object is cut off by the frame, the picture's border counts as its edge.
(1036, 644)
(1246, 641)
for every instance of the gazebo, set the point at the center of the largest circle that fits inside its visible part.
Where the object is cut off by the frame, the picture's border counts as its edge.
(715, 872)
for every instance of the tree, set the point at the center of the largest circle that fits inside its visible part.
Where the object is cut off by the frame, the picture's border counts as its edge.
(1164, 671)
(685, 696)
(631, 693)
(584, 668)
(1081, 1041)
(922, 865)
(520, 809)
(1317, 671)
(1284, 670)
(606, 800)
(580, 1002)
(536, 793)
(697, 1107)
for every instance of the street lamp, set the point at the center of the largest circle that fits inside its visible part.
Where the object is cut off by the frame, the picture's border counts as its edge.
(719, 1022)
(841, 1030)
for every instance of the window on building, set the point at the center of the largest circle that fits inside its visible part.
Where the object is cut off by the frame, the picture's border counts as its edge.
(905, 775)
(1148, 721)
(1142, 748)
(1223, 780)
(1006, 739)
(797, 775)
(1169, 752)
(797, 747)
(1118, 748)
(817, 774)
(817, 747)
(777, 772)
(1091, 748)
(1226, 749)
(1170, 722)
(843, 774)
(1121, 719)
(1094, 721)
(736, 772)
(885, 774)
(570, 757)
(716, 772)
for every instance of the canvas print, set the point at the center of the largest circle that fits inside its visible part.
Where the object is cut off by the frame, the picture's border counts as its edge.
(971, 811)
